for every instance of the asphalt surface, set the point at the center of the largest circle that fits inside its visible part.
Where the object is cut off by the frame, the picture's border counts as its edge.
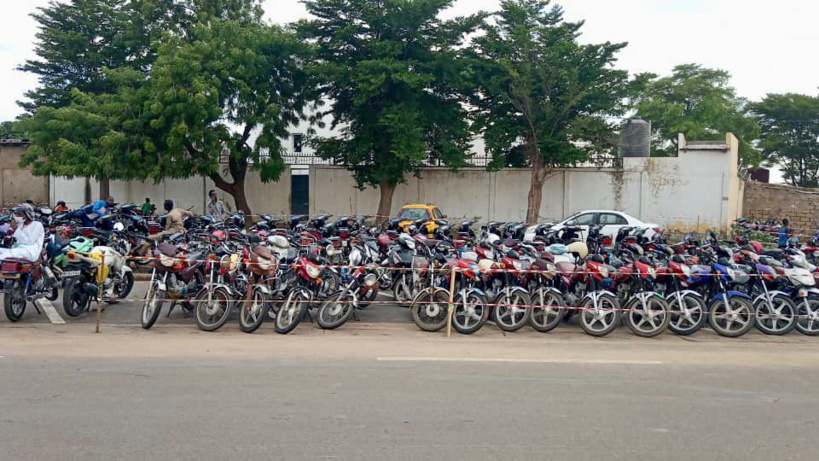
(381, 389)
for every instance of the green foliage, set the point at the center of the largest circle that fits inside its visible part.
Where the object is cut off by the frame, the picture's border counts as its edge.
(393, 73)
(790, 135)
(700, 103)
(540, 89)
(12, 130)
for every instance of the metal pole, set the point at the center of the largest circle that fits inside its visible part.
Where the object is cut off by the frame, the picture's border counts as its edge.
(451, 298)
(101, 282)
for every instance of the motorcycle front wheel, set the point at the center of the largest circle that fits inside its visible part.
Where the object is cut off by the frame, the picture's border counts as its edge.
(213, 313)
(602, 319)
(253, 311)
(336, 310)
(808, 316)
(469, 313)
(688, 313)
(647, 318)
(292, 312)
(733, 320)
(549, 308)
(512, 310)
(152, 306)
(429, 311)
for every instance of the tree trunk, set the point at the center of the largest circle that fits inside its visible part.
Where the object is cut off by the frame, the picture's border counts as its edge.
(105, 188)
(387, 190)
(240, 200)
(539, 172)
(87, 190)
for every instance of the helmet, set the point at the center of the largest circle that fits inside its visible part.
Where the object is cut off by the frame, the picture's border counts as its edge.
(278, 241)
(578, 248)
(26, 209)
(756, 245)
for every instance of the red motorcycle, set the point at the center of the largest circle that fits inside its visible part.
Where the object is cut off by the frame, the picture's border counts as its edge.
(176, 276)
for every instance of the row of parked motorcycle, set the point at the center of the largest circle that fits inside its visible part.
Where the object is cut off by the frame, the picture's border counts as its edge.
(327, 271)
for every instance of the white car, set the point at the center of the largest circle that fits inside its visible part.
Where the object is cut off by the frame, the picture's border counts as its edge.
(611, 221)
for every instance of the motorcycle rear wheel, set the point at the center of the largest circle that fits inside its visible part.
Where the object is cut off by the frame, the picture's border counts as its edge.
(14, 303)
(75, 301)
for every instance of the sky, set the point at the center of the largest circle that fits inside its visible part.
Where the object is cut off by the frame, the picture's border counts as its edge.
(768, 47)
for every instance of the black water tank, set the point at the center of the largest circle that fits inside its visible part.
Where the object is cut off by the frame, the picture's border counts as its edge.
(635, 138)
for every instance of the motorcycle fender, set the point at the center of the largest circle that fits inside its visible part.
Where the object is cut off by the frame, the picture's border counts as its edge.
(8, 286)
(731, 294)
(263, 288)
(772, 293)
(689, 293)
(125, 269)
(814, 291)
(477, 290)
(514, 289)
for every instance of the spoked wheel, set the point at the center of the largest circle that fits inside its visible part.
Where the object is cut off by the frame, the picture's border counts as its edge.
(512, 310)
(549, 308)
(429, 311)
(213, 311)
(330, 283)
(469, 313)
(733, 320)
(807, 322)
(777, 317)
(688, 313)
(14, 303)
(292, 312)
(253, 311)
(122, 288)
(336, 310)
(602, 319)
(152, 305)
(647, 317)
(403, 289)
(364, 299)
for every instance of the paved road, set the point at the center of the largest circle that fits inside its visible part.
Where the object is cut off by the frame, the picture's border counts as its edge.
(387, 391)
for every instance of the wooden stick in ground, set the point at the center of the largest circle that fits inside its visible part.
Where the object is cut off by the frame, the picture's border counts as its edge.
(451, 304)
(101, 282)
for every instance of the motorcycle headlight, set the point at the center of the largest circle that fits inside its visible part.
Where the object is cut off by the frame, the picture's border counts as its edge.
(411, 244)
(490, 254)
(355, 257)
(313, 271)
(264, 264)
(518, 266)
(370, 280)
(166, 261)
(686, 270)
(604, 271)
(652, 273)
(331, 250)
(732, 273)
(224, 262)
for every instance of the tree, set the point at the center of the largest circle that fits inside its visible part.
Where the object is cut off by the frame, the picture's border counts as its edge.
(391, 71)
(218, 77)
(11, 130)
(542, 91)
(699, 103)
(790, 135)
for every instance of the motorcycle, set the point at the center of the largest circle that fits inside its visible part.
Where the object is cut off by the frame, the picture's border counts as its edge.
(175, 276)
(84, 273)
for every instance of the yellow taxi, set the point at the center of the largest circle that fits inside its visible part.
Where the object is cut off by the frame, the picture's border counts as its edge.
(415, 211)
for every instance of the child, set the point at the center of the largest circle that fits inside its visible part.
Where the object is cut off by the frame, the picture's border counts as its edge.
(784, 233)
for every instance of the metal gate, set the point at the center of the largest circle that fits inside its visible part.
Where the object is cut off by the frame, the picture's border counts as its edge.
(300, 194)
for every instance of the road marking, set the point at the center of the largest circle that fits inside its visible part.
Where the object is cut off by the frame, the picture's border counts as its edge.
(387, 295)
(501, 360)
(52, 313)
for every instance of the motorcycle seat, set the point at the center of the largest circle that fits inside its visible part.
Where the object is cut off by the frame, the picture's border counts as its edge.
(773, 252)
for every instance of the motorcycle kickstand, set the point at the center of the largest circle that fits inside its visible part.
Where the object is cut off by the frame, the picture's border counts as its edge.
(170, 309)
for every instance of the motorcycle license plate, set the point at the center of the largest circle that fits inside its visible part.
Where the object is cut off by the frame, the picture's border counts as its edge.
(71, 273)
(344, 243)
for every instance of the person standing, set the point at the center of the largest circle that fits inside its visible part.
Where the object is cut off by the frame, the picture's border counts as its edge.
(215, 208)
(784, 233)
(147, 207)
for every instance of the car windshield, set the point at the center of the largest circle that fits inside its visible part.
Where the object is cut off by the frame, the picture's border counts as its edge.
(414, 213)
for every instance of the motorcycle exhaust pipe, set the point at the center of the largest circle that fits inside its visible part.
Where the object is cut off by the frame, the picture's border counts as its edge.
(91, 288)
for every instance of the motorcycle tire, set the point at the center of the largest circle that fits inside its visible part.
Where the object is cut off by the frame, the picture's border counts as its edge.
(210, 316)
(14, 303)
(53, 294)
(549, 308)
(429, 311)
(508, 315)
(75, 301)
(689, 318)
(402, 290)
(254, 311)
(602, 321)
(122, 288)
(291, 313)
(368, 297)
(733, 321)
(647, 320)
(335, 311)
(152, 306)
(469, 313)
(777, 320)
(807, 321)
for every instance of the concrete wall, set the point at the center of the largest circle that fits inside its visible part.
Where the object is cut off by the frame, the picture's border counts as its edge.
(18, 184)
(697, 190)
(769, 201)
(272, 197)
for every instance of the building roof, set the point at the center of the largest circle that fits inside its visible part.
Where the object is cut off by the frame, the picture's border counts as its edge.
(13, 142)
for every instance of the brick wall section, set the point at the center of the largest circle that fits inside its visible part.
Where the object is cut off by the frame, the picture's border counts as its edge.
(771, 201)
